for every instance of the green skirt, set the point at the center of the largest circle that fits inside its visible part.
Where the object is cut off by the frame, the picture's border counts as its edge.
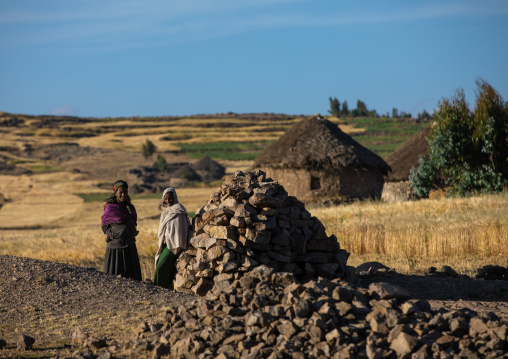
(123, 261)
(166, 270)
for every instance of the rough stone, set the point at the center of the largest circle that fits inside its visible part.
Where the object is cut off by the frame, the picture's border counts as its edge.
(25, 342)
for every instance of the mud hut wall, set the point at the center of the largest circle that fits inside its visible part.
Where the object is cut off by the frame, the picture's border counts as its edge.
(315, 185)
(295, 181)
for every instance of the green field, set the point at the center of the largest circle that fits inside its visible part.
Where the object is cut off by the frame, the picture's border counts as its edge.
(384, 135)
(233, 151)
(231, 137)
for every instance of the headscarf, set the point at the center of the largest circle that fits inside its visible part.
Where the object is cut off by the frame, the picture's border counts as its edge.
(119, 184)
(173, 225)
(116, 186)
(117, 212)
(175, 197)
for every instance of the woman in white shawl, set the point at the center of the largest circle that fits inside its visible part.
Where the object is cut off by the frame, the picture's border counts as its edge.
(173, 228)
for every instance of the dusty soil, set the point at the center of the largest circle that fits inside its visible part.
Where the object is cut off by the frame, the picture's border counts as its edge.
(48, 301)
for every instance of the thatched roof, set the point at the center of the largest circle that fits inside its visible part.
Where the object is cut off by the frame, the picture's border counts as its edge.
(208, 169)
(406, 156)
(318, 144)
(186, 172)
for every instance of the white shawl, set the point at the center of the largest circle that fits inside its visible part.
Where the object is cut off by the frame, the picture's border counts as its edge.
(173, 226)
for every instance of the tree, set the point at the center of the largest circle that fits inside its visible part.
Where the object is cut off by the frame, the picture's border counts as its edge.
(467, 150)
(395, 113)
(362, 108)
(404, 115)
(334, 107)
(160, 164)
(424, 116)
(345, 109)
(373, 113)
(148, 149)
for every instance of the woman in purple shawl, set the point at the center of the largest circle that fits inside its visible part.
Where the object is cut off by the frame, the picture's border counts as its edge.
(119, 222)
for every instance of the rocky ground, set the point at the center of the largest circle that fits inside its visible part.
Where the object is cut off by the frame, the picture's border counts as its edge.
(48, 301)
(119, 317)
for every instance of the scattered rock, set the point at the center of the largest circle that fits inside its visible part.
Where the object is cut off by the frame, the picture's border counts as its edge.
(274, 315)
(372, 270)
(79, 337)
(492, 272)
(25, 342)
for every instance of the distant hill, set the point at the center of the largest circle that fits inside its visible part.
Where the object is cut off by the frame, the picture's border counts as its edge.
(222, 136)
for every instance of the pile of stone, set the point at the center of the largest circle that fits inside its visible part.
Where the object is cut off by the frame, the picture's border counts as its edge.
(251, 221)
(492, 272)
(268, 314)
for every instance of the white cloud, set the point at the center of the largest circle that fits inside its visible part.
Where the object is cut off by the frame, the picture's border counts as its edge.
(64, 111)
(98, 25)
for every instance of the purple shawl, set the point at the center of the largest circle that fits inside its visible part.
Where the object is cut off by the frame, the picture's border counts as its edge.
(117, 213)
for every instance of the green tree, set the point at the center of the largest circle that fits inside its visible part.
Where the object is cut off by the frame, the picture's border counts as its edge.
(405, 115)
(424, 116)
(334, 107)
(360, 110)
(395, 113)
(345, 108)
(373, 113)
(160, 164)
(148, 149)
(467, 150)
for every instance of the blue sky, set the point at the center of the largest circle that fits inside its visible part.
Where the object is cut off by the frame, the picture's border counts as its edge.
(184, 57)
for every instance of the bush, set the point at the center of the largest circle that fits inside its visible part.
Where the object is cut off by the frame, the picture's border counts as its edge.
(467, 150)
(148, 149)
(160, 165)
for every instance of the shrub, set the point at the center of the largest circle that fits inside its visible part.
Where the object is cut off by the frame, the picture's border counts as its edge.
(148, 149)
(467, 150)
(160, 164)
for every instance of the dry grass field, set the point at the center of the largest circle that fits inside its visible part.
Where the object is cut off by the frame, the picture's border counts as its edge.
(52, 223)
(465, 233)
(46, 216)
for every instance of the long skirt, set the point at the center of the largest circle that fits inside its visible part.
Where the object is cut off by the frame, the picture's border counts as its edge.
(165, 270)
(123, 261)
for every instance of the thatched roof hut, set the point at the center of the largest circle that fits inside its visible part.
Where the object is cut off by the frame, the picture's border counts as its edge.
(182, 176)
(314, 160)
(397, 187)
(208, 169)
(406, 156)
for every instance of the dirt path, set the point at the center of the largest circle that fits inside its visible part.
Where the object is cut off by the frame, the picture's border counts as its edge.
(48, 301)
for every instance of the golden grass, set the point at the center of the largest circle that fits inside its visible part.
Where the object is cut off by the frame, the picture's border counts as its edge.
(410, 237)
(464, 233)
(45, 220)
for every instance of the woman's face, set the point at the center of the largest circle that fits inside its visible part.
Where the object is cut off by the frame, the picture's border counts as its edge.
(168, 199)
(122, 194)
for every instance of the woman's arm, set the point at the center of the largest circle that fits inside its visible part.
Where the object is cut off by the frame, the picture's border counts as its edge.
(105, 231)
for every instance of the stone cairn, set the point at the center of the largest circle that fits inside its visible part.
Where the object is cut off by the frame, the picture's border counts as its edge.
(251, 221)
